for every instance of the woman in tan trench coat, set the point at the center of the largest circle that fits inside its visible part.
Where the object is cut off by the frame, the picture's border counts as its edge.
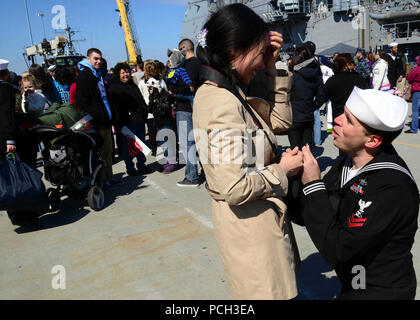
(252, 228)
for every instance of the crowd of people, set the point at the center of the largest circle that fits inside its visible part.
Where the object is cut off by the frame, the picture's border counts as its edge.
(155, 95)
(339, 74)
(238, 58)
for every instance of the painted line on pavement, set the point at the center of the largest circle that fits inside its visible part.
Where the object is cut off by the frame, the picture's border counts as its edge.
(407, 144)
(203, 220)
(157, 187)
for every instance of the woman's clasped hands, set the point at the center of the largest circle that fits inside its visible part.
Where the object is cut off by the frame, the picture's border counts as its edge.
(294, 162)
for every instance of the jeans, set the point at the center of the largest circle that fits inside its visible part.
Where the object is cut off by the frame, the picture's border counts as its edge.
(166, 138)
(189, 98)
(317, 127)
(415, 105)
(184, 126)
(139, 131)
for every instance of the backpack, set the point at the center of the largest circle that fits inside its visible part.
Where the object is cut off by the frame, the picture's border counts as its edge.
(160, 104)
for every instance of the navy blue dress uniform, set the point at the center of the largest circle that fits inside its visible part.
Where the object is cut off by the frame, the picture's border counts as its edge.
(367, 219)
(7, 106)
(395, 66)
(12, 134)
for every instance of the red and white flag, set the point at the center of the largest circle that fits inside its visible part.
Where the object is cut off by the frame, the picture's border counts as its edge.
(137, 142)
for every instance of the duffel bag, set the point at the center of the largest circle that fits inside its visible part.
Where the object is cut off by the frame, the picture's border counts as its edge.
(21, 186)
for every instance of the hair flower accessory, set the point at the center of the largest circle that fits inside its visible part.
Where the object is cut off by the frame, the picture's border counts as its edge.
(202, 38)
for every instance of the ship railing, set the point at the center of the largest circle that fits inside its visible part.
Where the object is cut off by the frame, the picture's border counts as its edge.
(273, 11)
(382, 6)
(400, 30)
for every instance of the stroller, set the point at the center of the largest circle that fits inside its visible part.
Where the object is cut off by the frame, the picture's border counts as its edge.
(72, 164)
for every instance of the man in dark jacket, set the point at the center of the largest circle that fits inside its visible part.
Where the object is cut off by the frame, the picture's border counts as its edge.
(362, 216)
(91, 98)
(362, 66)
(396, 70)
(307, 95)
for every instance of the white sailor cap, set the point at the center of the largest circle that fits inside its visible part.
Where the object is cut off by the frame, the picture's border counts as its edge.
(393, 44)
(4, 64)
(52, 68)
(378, 109)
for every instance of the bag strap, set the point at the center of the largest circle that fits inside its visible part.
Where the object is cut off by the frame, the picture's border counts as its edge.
(207, 73)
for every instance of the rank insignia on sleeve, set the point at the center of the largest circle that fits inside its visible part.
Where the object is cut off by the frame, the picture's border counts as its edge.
(356, 219)
(354, 222)
(356, 188)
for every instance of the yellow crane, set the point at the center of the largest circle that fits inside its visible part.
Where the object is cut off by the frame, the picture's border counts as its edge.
(130, 33)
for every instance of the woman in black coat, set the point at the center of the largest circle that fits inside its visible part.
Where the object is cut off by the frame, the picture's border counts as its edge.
(131, 112)
(307, 95)
(339, 87)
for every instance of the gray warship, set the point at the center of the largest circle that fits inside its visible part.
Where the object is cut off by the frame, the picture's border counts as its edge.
(333, 25)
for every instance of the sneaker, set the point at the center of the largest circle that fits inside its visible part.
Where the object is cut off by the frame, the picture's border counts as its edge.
(409, 131)
(168, 168)
(188, 183)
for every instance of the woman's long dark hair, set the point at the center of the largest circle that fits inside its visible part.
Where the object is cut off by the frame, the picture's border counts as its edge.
(341, 62)
(233, 28)
(43, 79)
(65, 75)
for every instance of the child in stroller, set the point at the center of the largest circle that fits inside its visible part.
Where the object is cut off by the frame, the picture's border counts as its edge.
(72, 164)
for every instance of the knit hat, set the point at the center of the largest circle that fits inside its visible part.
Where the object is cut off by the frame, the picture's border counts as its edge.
(176, 58)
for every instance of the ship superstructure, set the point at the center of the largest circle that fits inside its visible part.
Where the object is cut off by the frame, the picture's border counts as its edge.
(333, 25)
